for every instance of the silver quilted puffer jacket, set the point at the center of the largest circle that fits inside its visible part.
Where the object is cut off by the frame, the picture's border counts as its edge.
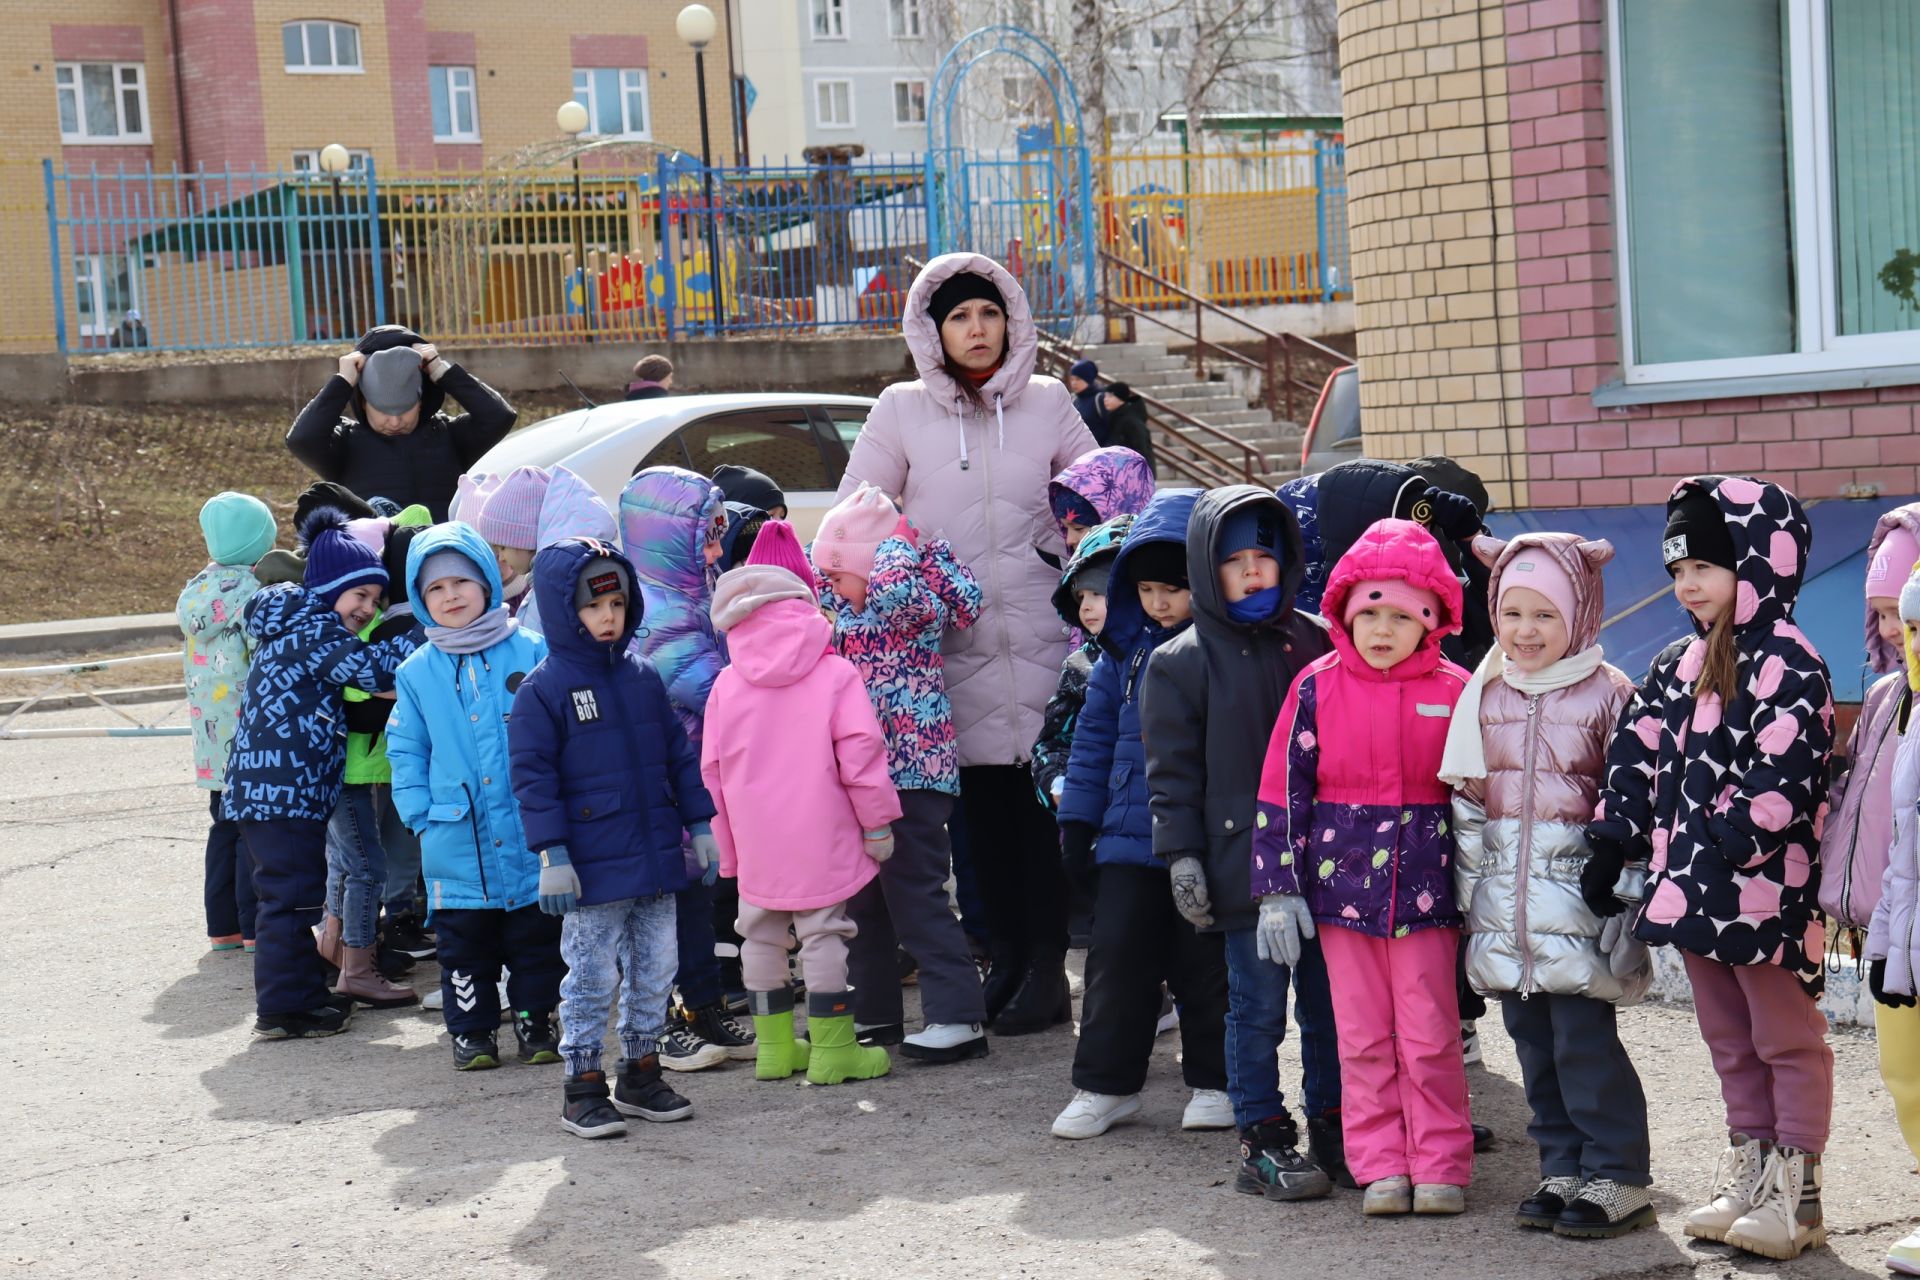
(1519, 831)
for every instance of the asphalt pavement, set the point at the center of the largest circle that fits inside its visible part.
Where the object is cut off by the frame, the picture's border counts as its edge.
(146, 1134)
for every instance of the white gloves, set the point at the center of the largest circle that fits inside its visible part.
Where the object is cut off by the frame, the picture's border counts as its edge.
(1190, 897)
(1284, 921)
(879, 844)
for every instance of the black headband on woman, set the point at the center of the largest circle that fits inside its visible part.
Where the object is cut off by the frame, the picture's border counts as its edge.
(964, 287)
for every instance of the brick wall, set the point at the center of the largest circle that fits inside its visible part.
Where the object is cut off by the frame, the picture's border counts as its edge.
(1477, 275)
(1430, 209)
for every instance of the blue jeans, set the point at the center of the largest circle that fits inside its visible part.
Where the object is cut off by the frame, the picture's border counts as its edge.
(630, 945)
(1257, 1023)
(357, 862)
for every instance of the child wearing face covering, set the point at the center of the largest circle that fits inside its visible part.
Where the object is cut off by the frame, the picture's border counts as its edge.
(453, 786)
(1525, 755)
(1353, 843)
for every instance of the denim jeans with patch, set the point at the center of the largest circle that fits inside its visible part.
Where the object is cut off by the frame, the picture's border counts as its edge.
(357, 862)
(629, 945)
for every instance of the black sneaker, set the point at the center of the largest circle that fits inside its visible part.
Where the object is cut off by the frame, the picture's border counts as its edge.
(881, 1033)
(405, 935)
(392, 964)
(311, 1024)
(1270, 1165)
(716, 1026)
(641, 1092)
(475, 1053)
(539, 1044)
(1549, 1200)
(682, 1049)
(1327, 1148)
(1605, 1209)
(1482, 1138)
(588, 1113)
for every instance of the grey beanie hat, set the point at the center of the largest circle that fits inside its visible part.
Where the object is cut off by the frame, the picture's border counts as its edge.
(601, 576)
(390, 379)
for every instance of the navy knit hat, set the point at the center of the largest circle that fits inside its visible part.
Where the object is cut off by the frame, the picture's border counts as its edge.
(1158, 562)
(1252, 526)
(1085, 370)
(336, 560)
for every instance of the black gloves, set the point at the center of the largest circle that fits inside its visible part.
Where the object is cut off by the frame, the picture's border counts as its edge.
(1076, 852)
(1451, 515)
(1604, 865)
(1876, 982)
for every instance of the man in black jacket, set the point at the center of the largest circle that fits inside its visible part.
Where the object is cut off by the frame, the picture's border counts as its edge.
(377, 427)
(1211, 697)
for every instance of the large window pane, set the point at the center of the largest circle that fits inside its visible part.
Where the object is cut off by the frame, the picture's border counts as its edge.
(1706, 149)
(292, 47)
(1875, 50)
(319, 45)
(96, 82)
(347, 43)
(442, 103)
(606, 99)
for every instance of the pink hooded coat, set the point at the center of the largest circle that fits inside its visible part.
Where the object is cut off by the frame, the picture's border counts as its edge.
(793, 756)
(978, 478)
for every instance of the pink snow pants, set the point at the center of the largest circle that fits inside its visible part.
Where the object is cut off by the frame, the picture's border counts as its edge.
(1403, 1087)
(764, 943)
(1768, 1039)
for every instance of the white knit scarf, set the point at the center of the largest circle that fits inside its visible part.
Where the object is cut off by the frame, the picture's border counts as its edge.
(1465, 756)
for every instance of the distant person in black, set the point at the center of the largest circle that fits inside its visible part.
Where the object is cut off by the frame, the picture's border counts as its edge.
(131, 332)
(377, 425)
(1127, 421)
(1083, 383)
(652, 378)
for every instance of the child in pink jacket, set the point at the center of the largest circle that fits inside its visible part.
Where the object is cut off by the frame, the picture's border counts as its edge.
(1352, 831)
(797, 767)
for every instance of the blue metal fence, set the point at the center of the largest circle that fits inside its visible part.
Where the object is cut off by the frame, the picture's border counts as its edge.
(604, 248)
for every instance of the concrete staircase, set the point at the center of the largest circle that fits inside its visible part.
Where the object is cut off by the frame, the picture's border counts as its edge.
(1149, 369)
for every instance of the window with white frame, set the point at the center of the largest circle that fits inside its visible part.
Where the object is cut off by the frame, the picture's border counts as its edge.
(1266, 16)
(307, 160)
(1127, 125)
(1767, 208)
(321, 47)
(456, 113)
(615, 99)
(833, 104)
(829, 19)
(904, 21)
(105, 288)
(910, 102)
(101, 101)
(1165, 39)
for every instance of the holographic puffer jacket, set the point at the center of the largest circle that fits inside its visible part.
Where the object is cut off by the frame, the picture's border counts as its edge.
(666, 516)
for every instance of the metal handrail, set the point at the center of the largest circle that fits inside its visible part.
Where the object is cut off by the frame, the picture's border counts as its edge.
(1278, 382)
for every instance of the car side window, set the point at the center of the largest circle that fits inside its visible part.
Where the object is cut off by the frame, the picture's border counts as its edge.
(847, 421)
(668, 453)
(776, 442)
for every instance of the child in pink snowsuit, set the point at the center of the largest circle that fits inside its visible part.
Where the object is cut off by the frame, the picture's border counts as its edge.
(1352, 831)
(797, 766)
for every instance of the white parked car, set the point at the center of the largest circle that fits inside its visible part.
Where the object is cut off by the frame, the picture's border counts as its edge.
(800, 440)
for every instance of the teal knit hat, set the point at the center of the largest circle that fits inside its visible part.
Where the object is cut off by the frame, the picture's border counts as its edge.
(238, 527)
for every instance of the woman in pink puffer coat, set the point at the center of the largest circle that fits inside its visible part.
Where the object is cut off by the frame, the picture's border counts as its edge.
(969, 449)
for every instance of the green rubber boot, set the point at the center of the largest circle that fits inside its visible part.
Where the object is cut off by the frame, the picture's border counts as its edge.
(777, 1054)
(836, 1056)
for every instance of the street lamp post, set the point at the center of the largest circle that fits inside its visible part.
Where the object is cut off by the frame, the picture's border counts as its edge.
(572, 119)
(697, 25)
(334, 162)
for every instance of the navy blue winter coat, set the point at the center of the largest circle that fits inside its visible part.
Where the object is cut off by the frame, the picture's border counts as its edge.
(1106, 785)
(290, 747)
(601, 763)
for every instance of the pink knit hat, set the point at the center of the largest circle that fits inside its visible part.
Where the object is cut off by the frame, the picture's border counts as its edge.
(1535, 568)
(510, 515)
(370, 532)
(852, 531)
(777, 544)
(1417, 602)
(1892, 563)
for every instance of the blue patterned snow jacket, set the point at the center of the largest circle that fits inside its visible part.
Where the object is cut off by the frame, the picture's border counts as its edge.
(447, 743)
(600, 762)
(290, 747)
(1106, 785)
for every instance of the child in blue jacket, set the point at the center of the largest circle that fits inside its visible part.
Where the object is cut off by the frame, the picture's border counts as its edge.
(1139, 939)
(606, 780)
(288, 756)
(447, 744)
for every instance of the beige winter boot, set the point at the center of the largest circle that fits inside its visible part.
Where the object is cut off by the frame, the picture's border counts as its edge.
(1736, 1188)
(327, 941)
(1787, 1220)
(359, 979)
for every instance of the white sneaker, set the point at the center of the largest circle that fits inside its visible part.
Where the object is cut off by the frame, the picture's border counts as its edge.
(944, 1042)
(1469, 1042)
(1091, 1114)
(1208, 1109)
(1904, 1256)
(433, 1001)
(1169, 1014)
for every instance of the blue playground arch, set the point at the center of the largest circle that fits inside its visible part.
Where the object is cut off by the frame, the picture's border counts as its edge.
(1032, 210)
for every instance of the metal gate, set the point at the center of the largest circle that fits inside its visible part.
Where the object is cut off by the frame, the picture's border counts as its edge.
(1031, 208)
